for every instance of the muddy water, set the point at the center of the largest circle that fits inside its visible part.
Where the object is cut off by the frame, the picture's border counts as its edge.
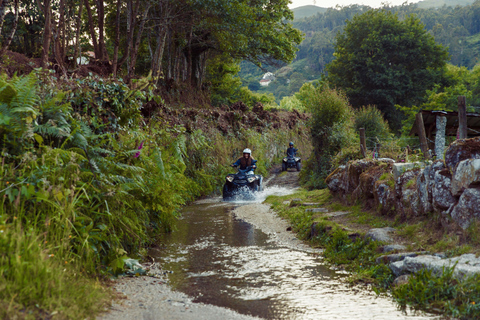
(221, 260)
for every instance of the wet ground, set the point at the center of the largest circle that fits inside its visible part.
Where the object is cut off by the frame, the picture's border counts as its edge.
(239, 256)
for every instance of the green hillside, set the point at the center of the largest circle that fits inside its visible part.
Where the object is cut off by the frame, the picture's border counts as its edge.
(307, 11)
(426, 4)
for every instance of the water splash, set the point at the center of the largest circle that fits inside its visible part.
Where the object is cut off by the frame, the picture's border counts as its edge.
(249, 196)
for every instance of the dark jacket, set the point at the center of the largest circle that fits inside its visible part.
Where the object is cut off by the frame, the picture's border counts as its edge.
(243, 163)
(292, 152)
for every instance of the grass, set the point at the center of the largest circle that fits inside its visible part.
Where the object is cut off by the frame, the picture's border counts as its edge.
(444, 294)
(34, 283)
(388, 179)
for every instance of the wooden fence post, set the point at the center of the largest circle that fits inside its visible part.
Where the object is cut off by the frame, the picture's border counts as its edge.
(421, 135)
(363, 144)
(462, 118)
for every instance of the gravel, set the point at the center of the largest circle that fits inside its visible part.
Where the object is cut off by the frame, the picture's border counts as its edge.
(151, 298)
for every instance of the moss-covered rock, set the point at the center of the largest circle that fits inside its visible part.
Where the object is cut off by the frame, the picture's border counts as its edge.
(462, 150)
(406, 196)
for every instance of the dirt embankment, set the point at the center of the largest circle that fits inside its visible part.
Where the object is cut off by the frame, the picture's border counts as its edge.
(226, 119)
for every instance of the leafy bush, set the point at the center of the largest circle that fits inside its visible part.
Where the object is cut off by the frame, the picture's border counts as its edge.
(291, 103)
(371, 119)
(331, 128)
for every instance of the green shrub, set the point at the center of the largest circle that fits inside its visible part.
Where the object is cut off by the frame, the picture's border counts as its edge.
(376, 127)
(331, 129)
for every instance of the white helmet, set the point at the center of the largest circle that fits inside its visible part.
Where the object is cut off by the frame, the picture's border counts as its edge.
(247, 151)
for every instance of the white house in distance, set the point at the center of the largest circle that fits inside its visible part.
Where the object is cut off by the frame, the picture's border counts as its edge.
(265, 82)
(266, 79)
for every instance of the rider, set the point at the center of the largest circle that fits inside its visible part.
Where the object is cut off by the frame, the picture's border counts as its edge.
(246, 161)
(291, 151)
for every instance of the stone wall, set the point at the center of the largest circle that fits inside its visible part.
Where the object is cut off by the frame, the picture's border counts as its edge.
(449, 187)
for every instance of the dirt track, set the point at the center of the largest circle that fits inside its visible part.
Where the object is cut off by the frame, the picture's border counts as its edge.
(283, 179)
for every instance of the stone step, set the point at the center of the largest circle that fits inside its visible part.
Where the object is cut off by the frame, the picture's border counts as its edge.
(324, 210)
(337, 213)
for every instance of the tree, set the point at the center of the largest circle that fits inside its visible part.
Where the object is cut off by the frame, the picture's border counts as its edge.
(8, 38)
(383, 61)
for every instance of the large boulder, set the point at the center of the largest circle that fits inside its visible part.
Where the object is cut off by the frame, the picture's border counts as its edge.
(466, 174)
(401, 168)
(442, 197)
(468, 208)
(384, 196)
(462, 150)
(424, 191)
(380, 234)
(406, 196)
(335, 181)
(354, 170)
(366, 185)
(465, 265)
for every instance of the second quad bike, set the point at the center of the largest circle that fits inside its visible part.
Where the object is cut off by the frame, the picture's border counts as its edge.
(291, 162)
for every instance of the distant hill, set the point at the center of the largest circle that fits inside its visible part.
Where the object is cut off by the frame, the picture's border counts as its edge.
(426, 4)
(307, 11)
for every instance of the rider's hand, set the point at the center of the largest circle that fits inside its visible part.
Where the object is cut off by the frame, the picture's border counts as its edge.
(232, 165)
(254, 167)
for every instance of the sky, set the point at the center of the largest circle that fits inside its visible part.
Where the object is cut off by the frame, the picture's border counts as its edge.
(333, 3)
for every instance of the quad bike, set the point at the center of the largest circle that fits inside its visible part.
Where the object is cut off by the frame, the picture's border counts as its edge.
(291, 162)
(244, 182)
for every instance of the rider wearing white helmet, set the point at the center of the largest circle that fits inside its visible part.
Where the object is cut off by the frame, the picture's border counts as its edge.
(246, 161)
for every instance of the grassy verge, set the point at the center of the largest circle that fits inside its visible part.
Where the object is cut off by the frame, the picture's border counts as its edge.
(37, 285)
(342, 239)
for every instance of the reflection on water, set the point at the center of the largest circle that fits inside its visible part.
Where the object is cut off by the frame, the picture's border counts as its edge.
(224, 261)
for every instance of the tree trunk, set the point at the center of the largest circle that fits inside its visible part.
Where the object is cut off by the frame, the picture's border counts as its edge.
(47, 32)
(8, 40)
(2, 14)
(102, 48)
(77, 52)
(59, 37)
(91, 27)
(158, 55)
(117, 39)
(134, 51)
(132, 12)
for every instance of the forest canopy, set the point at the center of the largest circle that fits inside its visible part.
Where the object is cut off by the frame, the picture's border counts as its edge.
(173, 39)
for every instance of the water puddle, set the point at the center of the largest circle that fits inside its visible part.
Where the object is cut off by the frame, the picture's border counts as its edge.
(224, 261)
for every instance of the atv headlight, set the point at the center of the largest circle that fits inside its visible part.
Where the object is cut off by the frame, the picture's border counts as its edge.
(230, 178)
(251, 179)
(284, 159)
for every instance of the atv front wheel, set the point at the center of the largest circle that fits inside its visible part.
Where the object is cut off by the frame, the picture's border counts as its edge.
(299, 166)
(284, 166)
(227, 194)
